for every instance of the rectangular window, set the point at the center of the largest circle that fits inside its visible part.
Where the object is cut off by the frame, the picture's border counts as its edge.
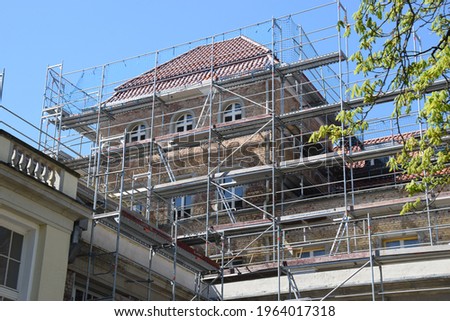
(79, 295)
(310, 253)
(10, 257)
(401, 242)
(233, 195)
(183, 206)
(138, 207)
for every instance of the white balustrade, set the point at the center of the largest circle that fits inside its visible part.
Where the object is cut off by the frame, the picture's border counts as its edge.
(35, 166)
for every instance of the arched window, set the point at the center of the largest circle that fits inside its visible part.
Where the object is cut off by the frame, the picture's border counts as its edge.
(137, 133)
(184, 123)
(232, 112)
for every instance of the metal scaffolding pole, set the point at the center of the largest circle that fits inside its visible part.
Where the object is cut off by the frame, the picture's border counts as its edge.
(96, 175)
(273, 143)
(341, 101)
(210, 175)
(151, 148)
(119, 217)
(151, 254)
(372, 273)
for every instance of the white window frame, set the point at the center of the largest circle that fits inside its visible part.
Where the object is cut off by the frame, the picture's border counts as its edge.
(401, 241)
(10, 260)
(182, 207)
(137, 132)
(313, 252)
(234, 111)
(91, 296)
(184, 122)
(28, 255)
(230, 192)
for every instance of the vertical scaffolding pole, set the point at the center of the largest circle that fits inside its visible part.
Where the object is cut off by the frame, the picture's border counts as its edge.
(151, 254)
(96, 176)
(175, 252)
(380, 267)
(347, 97)
(222, 263)
(43, 114)
(119, 218)
(210, 175)
(275, 225)
(341, 98)
(427, 201)
(58, 126)
(152, 143)
(372, 275)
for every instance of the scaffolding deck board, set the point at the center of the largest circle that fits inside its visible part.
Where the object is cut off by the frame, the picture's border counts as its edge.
(305, 64)
(340, 261)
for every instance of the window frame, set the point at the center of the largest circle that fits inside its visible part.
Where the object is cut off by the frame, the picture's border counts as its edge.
(311, 251)
(184, 208)
(138, 207)
(231, 111)
(28, 255)
(79, 290)
(137, 132)
(187, 124)
(233, 201)
(401, 241)
(12, 259)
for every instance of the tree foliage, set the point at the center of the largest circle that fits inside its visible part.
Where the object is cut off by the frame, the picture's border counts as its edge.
(389, 62)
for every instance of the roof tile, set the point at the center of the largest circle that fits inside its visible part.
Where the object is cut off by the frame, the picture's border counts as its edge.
(234, 57)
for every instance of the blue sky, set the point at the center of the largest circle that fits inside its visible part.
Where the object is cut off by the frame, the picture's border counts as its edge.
(84, 33)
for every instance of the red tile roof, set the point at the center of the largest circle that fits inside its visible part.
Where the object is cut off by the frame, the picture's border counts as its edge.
(394, 139)
(398, 138)
(234, 57)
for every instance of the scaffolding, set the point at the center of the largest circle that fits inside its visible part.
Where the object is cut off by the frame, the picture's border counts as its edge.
(206, 147)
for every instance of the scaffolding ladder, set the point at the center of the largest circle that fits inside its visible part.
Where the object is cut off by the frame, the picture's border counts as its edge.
(52, 110)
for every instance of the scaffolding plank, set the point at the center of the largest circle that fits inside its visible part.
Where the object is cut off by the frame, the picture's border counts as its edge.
(242, 127)
(105, 215)
(349, 104)
(311, 215)
(241, 227)
(286, 69)
(312, 162)
(314, 62)
(199, 184)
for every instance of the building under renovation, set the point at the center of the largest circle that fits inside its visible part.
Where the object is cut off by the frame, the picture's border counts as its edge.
(196, 166)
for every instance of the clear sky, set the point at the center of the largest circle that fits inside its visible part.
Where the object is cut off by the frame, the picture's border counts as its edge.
(84, 33)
